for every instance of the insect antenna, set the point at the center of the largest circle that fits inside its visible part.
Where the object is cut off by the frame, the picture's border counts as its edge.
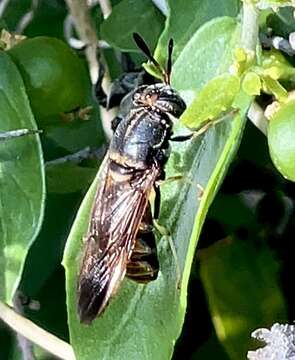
(169, 63)
(145, 49)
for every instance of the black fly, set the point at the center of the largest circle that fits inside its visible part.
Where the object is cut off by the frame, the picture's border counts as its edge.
(120, 240)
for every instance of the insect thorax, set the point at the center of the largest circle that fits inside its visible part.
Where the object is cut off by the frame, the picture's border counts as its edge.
(142, 138)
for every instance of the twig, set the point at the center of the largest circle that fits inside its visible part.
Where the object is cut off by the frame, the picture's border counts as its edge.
(86, 31)
(73, 41)
(24, 344)
(162, 6)
(249, 40)
(27, 17)
(106, 8)
(79, 156)
(256, 116)
(12, 134)
(36, 334)
(3, 6)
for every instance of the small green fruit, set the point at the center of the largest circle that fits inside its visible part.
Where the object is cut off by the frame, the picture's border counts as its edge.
(281, 140)
(55, 77)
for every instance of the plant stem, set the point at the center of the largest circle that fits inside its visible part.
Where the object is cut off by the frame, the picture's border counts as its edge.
(87, 33)
(249, 41)
(3, 6)
(250, 27)
(34, 333)
(12, 134)
(106, 8)
(257, 117)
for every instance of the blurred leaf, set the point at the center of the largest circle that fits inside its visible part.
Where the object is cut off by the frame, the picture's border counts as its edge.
(46, 252)
(265, 4)
(22, 180)
(68, 177)
(215, 97)
(242, 285)
(48, 19)
(212, 349)
(52, 314)
(233, 212)
(184, 20)
(14, 11)
(76, 135)
(131, 16)
(156, 311)
(282, 22)
(6, 341)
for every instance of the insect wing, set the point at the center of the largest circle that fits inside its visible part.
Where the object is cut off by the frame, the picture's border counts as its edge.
(116, 215)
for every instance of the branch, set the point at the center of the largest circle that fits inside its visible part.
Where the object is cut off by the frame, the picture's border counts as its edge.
(79, 156)
(3, 6)
(27, 18)
(36, 334)
(106, 8)
(249, 40)
(257, 117)
(86, 31)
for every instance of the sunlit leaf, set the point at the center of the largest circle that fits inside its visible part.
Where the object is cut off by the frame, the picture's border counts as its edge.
(184, 20)
(216, 96)
(241, 281)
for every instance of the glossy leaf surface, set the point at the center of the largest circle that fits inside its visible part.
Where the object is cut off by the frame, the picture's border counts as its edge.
(22, 185)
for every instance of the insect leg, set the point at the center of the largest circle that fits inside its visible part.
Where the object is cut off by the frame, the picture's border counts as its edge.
(164, 232)
(182, 138)
(157, 203)
(206, 125)
(115, 122)
(98, 91)
(143, 265)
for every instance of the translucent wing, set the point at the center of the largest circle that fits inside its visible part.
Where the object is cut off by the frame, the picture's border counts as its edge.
(119, 206)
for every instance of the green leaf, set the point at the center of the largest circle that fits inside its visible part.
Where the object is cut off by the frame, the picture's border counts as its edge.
(22, 180)
(67, 177)
(46, 252)
(214, 41)
(131, 16)
(215, 97)
(282, 22)
(156, 311)
(184, 20)
(241, 281)
(76, 135)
